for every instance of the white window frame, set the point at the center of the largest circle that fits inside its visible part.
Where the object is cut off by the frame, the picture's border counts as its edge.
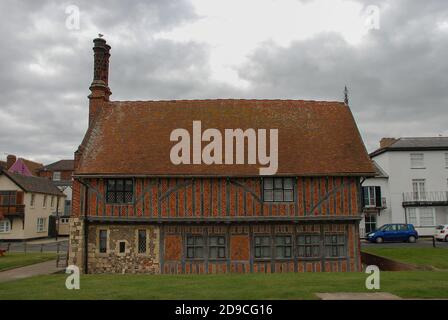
(372, 201)
(419, 189)
(44, 201)
(32, 200)
(41, 224)
(52, 202)
(416, 218)
(446, 160)
(57, 176)
(5, 226)
(418, 163)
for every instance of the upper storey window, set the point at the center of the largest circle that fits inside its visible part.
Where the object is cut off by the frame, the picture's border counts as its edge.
(278, 190)
(119, 191)
(57, 176)
(417, 161)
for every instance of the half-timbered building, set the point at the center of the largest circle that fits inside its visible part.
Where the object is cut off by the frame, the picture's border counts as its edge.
(134, 211)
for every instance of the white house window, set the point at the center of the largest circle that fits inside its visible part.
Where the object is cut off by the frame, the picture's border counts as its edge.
(417, 161)
(32, 200)
(5, 226)
(372, 196)
(412, 216)
(41, 224)
(57, 176)
(418, 189)
(421, 217)
(446, 159)
(52, 201)
(427, 217)
(44, 202)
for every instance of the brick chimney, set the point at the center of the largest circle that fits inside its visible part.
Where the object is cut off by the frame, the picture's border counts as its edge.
(385, 142)
(100, 84)
(10, 160)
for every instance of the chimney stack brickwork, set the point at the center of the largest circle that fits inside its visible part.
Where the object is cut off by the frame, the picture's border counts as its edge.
(386, 142)
(10, 160)
(99, 88)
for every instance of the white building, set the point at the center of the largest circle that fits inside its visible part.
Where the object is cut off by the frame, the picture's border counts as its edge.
(28, 206)
(413, 184)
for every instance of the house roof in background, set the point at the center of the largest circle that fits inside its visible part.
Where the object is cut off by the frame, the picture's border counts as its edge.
(34, 167)
(61, 165)
(414, 144)
(380, 173)
(133, 138)
(33, 184)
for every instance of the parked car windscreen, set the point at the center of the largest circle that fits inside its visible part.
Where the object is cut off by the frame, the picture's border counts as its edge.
(440, 227)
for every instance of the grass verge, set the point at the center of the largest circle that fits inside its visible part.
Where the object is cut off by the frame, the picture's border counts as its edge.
(436, 257)
(13, 260)
(412, 284)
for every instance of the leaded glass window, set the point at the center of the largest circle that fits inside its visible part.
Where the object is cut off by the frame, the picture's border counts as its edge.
(119, 191)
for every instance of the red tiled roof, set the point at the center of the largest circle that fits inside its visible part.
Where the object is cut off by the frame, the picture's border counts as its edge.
(133, 138)
(34, 167)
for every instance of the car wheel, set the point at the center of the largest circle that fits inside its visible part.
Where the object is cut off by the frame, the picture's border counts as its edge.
(379, 240)
(446, 238)
(411, 239)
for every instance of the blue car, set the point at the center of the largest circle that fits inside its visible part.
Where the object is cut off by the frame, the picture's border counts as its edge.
(394, 232)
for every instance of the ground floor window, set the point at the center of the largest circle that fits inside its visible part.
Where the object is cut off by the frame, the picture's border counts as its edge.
(370, 223)
(308, 245)
(262, 247)
(41, 224)
(217, 247)
(5, 226)
(141, 241)
(195, 247)
(335, 245)
(103, 241)
(421, 217)
(283, 247)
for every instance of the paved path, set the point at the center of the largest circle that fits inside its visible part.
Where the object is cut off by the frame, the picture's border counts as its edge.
(47, 267)
(357, 296)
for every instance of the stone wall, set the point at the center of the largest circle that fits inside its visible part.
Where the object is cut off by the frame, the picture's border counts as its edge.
(76, 243)
(129, 261)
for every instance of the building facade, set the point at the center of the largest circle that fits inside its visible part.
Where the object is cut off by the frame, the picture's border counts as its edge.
(28, 206)
(136, 211)
(60, 173)
(416, 187)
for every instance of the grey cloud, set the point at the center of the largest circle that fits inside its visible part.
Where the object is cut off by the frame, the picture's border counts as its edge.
(397, 77)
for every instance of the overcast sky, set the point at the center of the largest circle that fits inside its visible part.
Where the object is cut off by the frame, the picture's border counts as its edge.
(396, 67)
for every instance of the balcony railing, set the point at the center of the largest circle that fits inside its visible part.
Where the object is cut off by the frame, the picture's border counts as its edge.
(12, 210)
(425, 198)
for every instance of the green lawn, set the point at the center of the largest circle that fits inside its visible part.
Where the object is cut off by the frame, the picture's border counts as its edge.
(418, 284)
(15, 260)
(436, 257)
